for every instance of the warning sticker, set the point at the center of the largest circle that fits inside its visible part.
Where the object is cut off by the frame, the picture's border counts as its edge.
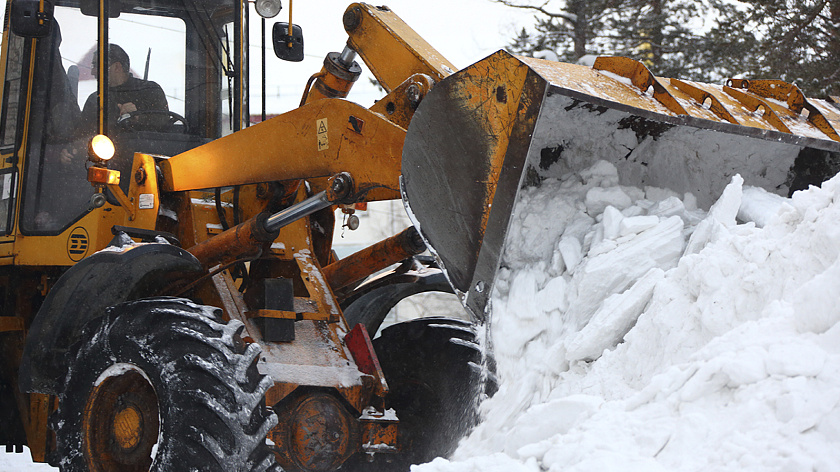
(147, 201)
(323, 140)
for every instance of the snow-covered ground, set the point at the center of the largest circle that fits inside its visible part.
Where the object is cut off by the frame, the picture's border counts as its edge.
(635, 332)
(11, 462)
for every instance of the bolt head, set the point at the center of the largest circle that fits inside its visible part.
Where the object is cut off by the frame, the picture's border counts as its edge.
(352, 19)
(140, 176)
(412, 93)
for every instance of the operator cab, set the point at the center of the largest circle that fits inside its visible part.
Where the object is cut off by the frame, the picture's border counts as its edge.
(173, 84)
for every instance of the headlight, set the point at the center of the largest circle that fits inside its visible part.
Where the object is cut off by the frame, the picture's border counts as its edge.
(101, 148)
(268, 8)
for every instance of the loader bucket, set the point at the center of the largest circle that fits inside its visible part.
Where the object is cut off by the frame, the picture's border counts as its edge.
(508, 122)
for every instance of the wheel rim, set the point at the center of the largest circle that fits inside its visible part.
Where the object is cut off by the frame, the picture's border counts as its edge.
(121, 421)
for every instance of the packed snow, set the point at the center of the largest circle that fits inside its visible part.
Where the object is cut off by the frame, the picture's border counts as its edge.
(635, 332)
(21, 462)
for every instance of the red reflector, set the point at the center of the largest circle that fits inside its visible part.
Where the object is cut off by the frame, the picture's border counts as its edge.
(358, 341)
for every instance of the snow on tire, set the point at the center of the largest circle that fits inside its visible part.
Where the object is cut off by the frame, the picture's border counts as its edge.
(433, 369)
(162, 385)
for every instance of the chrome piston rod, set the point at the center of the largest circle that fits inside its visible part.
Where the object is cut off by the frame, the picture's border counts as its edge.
(297, 211)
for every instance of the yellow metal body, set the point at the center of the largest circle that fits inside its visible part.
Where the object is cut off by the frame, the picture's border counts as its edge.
(399, 105)
(493, 88)
(390, 48)
(313, 142)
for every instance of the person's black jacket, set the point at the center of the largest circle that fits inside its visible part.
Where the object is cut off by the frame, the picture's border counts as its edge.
(146, 96)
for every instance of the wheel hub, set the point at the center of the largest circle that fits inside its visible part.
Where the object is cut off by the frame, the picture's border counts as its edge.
(128, 427)
(121, 422)
(317, 434)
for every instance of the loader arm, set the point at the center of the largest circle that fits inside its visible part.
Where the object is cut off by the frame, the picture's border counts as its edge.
(312, 142)
(390, 48)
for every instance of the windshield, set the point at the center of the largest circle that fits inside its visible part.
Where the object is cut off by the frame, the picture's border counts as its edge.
(170, 73)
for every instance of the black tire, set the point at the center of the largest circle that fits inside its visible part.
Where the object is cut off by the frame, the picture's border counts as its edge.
(436, 382)
(168, 375)
(12, 434)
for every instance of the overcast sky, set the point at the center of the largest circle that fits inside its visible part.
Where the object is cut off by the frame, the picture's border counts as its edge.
(464, 31)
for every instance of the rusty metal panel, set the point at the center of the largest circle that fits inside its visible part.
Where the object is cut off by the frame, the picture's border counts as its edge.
(703, 101)
(462, 135)
(763, 104)
(831, 113)
(641, 78)
(757, 105)
(11, 323)
(356, 267)
(789, 95)
(399, 105)
(588, 81)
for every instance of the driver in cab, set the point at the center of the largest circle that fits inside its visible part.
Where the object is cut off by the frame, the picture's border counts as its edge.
(129, 94)
(135, 104)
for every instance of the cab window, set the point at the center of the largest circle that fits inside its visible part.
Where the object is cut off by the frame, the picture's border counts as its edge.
(167, 72)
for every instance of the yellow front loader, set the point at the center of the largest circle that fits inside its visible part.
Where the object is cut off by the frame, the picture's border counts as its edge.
(170, 296)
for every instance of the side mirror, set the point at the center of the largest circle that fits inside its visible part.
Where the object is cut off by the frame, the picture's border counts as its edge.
(27, 21)
(91, 8)
(287, 47)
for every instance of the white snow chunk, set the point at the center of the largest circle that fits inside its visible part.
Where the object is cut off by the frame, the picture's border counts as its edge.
(615, 271)
(612, 321)
(598, 198)
(817, 309)
(492, 463)
(721, 215)
(568, 255)
(602, 173)
(561, 414)
(612, 220)
(759, 206)
(637, 224)
(640, 356)
(667, 207)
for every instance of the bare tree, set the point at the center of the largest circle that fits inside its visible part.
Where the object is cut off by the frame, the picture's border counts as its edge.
(570, 28)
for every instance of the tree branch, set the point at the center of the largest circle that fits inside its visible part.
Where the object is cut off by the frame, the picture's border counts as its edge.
(541, 8)
(792, 34)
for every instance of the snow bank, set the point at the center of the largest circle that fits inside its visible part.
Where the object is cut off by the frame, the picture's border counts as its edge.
(637, 332)
(22, 462)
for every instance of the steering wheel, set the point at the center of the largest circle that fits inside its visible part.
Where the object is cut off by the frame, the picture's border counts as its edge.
(130, 120)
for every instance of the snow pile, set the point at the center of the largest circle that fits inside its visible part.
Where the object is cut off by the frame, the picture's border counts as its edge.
(22, 462)
(635, 332)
